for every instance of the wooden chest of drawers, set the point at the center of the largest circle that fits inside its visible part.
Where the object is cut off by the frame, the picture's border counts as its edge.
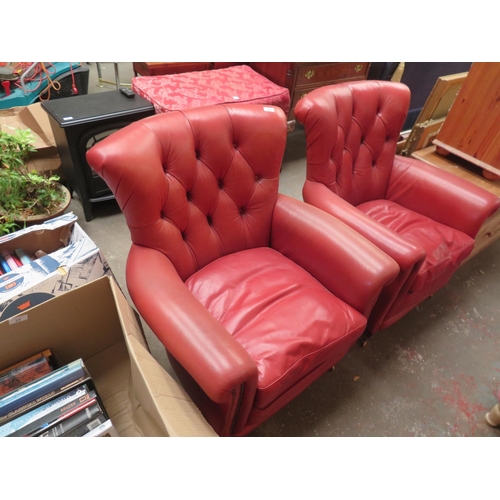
(302, 77)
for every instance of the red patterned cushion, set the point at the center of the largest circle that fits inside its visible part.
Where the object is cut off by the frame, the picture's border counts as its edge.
(204, 88)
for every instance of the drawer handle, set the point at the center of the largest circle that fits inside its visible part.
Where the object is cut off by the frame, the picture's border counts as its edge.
(358, 68)
(309, 74)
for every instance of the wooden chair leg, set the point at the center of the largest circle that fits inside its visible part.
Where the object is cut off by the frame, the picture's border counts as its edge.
(363, 340)
(493, 416)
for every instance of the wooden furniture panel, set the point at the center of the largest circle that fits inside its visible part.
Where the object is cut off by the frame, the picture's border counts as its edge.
(434, 112)
(172, 68)
(490, 231)
(324, 74)
(297, 96)
(472, 128)
(168, 68)
(302, 77)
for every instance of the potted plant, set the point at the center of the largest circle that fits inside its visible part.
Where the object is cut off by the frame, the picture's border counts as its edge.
(26, 196)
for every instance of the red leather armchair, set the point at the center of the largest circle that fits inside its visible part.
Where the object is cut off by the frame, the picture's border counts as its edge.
(424, 218)
(253, 294)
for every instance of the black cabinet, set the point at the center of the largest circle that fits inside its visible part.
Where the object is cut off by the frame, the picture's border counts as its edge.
(81, 121)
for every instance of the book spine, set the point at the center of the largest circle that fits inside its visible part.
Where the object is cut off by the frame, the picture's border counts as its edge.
(10, 261)
(47, 354)
(23, 256)
(47, 414)
(41, 400)
(3, 264)
(65, 422)
(53, 382)
(86, 413)
(21, 368)
(87, 426)
(16, 260)
(105, 429)
(24, 375)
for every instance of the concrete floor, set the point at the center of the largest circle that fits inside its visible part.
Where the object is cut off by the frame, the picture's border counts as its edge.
(434, 373)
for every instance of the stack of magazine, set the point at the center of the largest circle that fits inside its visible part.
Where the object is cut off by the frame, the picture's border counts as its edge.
(37, 399)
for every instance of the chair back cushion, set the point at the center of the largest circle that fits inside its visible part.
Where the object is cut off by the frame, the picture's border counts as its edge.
(196, 184)
(352, 130)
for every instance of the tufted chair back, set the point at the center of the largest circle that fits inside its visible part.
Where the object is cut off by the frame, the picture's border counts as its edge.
(352, 152)
(197, 194)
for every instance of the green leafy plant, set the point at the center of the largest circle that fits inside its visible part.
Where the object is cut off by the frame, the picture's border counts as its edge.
(23, 193)
(15, 148)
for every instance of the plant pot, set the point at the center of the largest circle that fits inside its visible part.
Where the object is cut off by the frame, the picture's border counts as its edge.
(40, 219)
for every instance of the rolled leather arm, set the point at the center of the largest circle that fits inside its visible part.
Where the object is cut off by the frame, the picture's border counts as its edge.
(345, 262)
(205, 349)
(402, 251)
(439, 195)
(407, 255)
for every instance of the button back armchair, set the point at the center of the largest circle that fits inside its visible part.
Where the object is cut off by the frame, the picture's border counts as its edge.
(424, 218)
(253, 294)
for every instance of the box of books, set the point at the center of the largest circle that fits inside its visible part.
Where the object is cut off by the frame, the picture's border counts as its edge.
(40, 262)
(63, 401)
(78, 365)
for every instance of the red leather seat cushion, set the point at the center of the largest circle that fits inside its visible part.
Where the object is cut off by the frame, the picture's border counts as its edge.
(286, 320)
(445, 247)
(236, 84)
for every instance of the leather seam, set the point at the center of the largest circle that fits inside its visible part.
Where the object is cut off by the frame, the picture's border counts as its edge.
(238, 405)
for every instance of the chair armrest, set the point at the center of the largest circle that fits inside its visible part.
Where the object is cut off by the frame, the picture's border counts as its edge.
(407, 255)
(204, 348)
(440, 195)
(345, 262)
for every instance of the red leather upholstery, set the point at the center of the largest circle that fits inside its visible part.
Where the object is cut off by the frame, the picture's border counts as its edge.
(424, 218)
(242, 295)
(254, 294)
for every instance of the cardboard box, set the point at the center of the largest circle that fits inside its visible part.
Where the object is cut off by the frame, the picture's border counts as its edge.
(96, 323)
(72, 260)
(34, 117)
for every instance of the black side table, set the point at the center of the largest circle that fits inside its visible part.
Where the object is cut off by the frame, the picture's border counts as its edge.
(81, 121)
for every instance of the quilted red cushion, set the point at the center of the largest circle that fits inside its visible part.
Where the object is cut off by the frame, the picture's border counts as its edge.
(286, 320)
(445, 247)
(204, 88)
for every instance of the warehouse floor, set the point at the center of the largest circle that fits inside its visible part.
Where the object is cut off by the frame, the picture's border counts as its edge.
(434, 373)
